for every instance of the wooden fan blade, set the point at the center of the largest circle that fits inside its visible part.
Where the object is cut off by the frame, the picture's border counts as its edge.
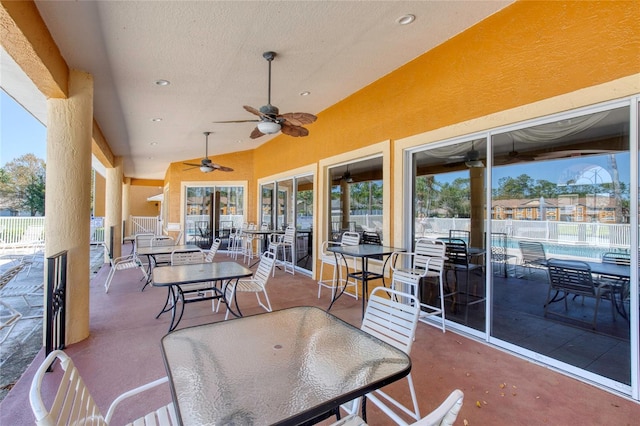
(191, 164)
(217, 166)
(237, 121)
(295, 131)
(256, 133)
(190, 168)
(298, 118)
(254, 111)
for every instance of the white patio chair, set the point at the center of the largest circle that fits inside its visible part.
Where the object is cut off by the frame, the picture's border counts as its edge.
(74, 405)
(389, 318)
(248, 246)
(410, 269)
(9, 315)
(284, 244)
(337, 281)
(162, 241)
(445, 415)
(329, 258)
(140, 241)
(256, 284)
(236, 239)
(211, 253)
(122, 263)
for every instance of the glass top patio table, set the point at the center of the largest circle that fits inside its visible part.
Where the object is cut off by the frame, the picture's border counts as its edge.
(283, 367)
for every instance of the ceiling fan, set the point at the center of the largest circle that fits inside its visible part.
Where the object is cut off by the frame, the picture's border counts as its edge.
(347, 176)
(271, 121)
(472, 158)
(514, 156)
(206, 165)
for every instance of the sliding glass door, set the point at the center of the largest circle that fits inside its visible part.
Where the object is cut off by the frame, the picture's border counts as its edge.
(560, 194)
(289, 202)
(212, 212)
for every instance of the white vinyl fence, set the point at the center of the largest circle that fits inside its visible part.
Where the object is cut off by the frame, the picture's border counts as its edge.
(18, 229)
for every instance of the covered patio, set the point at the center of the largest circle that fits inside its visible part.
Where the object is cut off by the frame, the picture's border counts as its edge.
(119, 99)
(123, 351)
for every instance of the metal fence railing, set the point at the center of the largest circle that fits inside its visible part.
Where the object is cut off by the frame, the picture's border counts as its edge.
(55, 327)
(570, 233)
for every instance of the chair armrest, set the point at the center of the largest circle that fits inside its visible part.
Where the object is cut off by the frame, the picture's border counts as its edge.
(131, 393)
(126, 258)
(403, 256)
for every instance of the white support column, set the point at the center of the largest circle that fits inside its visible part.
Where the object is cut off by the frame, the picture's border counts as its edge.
(113, 208)
(68, 200)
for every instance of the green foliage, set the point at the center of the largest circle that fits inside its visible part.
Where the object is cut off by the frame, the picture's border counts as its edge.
(22, 184)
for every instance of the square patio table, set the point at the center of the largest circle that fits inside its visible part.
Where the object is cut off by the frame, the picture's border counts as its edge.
(364, 252)
(173, 277)
(284, 367)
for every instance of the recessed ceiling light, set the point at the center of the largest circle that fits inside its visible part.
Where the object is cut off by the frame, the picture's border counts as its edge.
(305, 93)
(153, 143)
(162, 82)
(156, 119)
(406, 19)
(149, 158)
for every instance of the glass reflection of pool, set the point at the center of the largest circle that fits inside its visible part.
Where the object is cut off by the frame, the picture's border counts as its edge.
(553, 248)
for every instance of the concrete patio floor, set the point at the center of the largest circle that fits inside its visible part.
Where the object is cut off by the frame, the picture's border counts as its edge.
(123, 351)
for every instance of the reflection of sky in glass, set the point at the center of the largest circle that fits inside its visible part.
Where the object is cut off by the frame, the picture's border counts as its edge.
(559, 170)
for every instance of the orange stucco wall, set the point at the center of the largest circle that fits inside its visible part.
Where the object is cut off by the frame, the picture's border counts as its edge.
(243, 170)
(138, 204)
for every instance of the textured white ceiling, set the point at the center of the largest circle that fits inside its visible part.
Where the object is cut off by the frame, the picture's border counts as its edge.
(211, 52)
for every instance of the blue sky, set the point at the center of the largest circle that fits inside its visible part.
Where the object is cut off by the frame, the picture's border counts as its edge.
(20, 132)
(549, 170)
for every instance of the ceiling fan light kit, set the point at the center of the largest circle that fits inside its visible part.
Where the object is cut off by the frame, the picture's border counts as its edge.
(474, 163)
(269, 127)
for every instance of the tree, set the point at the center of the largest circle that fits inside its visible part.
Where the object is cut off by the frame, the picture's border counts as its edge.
(22, 184)
(454, 198)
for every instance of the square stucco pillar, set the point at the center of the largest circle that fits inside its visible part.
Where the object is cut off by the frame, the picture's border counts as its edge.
(114, 206)
(478, 203)
(68, 198)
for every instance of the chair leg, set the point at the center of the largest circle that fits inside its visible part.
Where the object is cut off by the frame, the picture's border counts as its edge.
(266, 297)
(415, 413)
(107, 283)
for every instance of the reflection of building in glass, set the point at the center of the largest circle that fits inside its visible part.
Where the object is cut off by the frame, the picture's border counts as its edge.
(566, 208)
